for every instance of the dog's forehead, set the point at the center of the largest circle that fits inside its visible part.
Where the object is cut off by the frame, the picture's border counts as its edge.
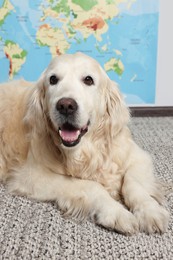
(72, 62)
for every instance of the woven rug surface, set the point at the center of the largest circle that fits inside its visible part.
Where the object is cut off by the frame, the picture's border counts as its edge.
(36, 230)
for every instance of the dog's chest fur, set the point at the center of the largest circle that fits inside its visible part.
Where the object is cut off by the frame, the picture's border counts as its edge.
(95, 164)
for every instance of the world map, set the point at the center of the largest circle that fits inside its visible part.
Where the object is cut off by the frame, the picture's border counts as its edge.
(121, 35)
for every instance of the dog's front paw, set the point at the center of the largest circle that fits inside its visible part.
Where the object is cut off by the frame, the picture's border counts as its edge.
(152, 218)
(117, 218)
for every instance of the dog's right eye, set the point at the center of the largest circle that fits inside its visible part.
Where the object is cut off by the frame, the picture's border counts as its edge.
(53, 80)
(88, 80)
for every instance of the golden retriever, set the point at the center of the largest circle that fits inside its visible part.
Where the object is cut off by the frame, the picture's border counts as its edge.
(65, 138)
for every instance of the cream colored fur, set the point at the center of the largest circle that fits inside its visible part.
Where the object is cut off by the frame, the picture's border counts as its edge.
(90, 178)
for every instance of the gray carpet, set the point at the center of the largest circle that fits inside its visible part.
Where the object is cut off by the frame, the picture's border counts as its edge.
(35, 230)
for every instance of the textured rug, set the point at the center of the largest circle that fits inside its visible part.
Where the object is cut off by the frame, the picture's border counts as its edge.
(35, 230)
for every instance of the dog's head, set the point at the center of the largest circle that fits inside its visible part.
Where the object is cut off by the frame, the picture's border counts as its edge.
(77, 97)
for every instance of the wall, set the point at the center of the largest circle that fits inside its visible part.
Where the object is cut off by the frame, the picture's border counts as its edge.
(164, 91)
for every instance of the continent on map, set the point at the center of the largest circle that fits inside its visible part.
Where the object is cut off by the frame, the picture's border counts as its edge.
(53, 38)
(16, 56)
(115, 65)
(5, 10)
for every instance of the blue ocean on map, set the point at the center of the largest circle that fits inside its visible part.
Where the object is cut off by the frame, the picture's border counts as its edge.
(133, 34)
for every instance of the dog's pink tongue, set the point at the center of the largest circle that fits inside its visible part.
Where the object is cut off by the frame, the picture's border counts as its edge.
(69, 136)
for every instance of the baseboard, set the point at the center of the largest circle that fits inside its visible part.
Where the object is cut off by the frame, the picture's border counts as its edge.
(151, 111)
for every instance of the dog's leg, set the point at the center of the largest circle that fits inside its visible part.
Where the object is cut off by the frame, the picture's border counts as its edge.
(142, 195)
(79, 198)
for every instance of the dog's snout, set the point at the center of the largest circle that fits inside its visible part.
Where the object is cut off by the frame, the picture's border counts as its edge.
(66, 106)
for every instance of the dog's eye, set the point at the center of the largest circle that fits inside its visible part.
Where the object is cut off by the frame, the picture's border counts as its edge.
(88, 81)
(53, 80)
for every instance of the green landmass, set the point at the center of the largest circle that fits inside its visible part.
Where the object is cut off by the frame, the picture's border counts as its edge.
(21, 55)
(4, 5)
(41, 44)
(62, 7)
(115, 65)
(71, 30)
(2, 20)
(7, 42)
(117, 69)
(74, 15)
(86, 5)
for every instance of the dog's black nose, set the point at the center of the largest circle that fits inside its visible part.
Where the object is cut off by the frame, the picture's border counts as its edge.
(66, 106)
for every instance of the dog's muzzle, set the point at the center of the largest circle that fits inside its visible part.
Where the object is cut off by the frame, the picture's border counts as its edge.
(69, 133)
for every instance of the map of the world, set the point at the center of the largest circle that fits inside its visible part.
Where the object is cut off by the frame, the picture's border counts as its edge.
(121, 35)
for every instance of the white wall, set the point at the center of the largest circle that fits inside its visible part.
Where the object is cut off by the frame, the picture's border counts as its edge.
(164, 85)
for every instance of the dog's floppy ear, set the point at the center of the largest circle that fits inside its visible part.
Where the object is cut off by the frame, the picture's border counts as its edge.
(35, 114)
(116, 114)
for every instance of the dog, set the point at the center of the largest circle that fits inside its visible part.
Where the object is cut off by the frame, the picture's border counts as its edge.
(65, 139)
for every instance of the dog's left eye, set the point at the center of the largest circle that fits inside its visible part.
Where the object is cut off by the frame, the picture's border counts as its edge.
(88, 81)
(53, 80)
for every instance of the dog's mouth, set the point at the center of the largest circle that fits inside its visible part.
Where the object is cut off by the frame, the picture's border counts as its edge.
(71, 135)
